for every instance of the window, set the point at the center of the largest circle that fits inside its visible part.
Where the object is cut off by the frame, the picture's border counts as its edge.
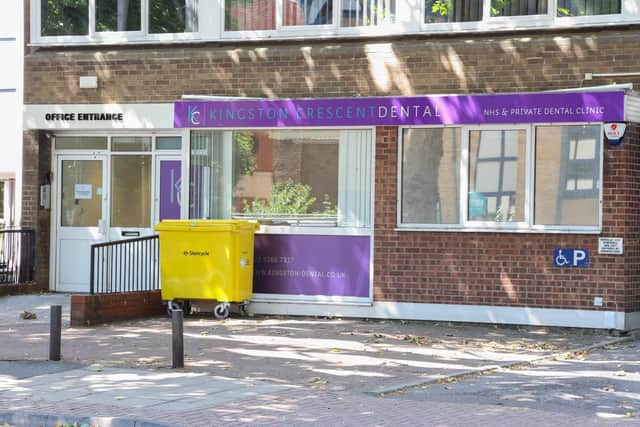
(81, 142)
(588, 7)
(255, 15)
(307, 12)
(518, 7)
(496, 175)
(529, 177)
(168, 143)
(361, 13)
(438, 11)
(250, 15)
(117, 15)
(567, 175)
(173, 16)
(131, 191)
(72, 17)
(451, 11)
(118, 21)
(65, 17)
(431, 176)
(282, 177)
(131, 143)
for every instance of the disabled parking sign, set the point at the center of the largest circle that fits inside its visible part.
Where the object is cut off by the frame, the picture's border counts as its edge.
(566, 257)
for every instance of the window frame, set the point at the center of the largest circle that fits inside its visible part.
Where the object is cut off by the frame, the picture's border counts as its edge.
(295, 31)
(408, 20)
(528, 225)
(108, 37)
(302, 229)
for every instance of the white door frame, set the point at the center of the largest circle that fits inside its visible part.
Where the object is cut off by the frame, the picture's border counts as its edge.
(56, 209)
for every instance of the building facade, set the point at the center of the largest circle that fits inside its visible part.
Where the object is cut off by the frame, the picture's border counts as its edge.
(441, 160)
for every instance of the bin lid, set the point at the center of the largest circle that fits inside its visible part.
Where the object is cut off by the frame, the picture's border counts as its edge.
(206, 225)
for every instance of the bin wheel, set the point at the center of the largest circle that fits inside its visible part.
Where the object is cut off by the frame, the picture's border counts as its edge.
(186, 308)
(172, 305)
(243, 308)
(221, 311)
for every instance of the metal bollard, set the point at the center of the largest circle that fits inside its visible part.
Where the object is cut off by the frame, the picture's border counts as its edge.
(177, 339)
(55, 332)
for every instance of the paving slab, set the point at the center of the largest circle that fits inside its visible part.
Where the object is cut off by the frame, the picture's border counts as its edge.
(335, 353)
(268, 369)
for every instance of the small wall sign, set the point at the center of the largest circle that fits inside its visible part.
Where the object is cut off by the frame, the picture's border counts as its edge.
(567, 257)
(614, 132)
(610, 246)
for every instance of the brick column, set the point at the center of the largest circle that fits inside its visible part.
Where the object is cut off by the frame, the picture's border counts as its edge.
(36, 172)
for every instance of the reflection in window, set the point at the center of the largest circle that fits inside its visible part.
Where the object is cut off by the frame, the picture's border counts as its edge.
(173, 16)
(310, 177)
(588, 7)
(496, 175)
(131, 143)
(308, 12)
(437, 11)
(117, 15)
(131, 191)
(65, 17)
(168, 143)
(81, 185)
(430, 176)
(249, 15)
(81, 142)
(358, 13)
(567, 175)
(518, 7)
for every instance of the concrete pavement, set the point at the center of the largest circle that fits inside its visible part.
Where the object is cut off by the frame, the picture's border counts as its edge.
(266, 370)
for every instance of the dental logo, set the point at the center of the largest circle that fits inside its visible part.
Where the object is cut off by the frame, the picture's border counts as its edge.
(192, 114)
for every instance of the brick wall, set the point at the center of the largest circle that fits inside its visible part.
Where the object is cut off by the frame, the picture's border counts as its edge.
(622, 175)
(509, 269)
(93, 309)
(36, 166)
(424, 65)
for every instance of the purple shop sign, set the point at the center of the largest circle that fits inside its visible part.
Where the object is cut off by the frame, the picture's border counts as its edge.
(312, 265)
(401, 111)
(170, 189)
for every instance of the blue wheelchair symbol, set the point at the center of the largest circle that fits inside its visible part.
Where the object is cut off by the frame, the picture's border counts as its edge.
(570, 257)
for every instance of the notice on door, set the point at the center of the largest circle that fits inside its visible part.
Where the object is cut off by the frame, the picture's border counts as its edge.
(82, 191)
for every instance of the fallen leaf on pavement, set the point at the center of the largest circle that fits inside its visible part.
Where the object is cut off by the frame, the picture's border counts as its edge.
(27, 315)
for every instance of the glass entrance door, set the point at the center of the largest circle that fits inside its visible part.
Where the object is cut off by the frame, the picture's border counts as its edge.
(130, 211)
(82, 202)
(119, 191)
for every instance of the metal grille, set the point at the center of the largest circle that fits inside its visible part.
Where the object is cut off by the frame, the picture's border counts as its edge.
(17, 256)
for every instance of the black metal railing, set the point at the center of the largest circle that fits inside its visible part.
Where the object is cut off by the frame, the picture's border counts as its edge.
(129, 265)
(17, 256)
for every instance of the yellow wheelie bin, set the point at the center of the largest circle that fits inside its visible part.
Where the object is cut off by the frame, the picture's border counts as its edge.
(206, 260)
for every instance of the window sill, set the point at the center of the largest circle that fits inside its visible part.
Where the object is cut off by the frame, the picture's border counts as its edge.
(573, 230)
